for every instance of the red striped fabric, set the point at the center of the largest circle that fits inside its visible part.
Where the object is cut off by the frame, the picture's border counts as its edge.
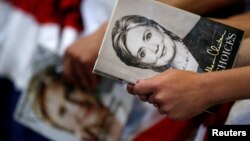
(62, 12)
(171, 130)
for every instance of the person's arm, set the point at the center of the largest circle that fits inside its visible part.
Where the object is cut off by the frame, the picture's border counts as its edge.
(81, 55)
(199, 6)
(243, 58)
(240, 21)
(80, 59)
(230, 85)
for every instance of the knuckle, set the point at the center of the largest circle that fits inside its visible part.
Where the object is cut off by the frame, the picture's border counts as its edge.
(151, 99)
(70, 50)
(85, 58)
(142, 98)
(175, 116)
(158, 86)
(153, 84)
(156, 105)
(161, 111)
(158, 98)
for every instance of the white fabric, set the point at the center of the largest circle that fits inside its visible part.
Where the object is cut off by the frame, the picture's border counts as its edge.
(95, 13)
(20, 37)
(200, 134)
(17, 49)
(239, 113)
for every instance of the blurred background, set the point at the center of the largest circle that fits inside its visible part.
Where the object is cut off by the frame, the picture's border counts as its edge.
(33, 31)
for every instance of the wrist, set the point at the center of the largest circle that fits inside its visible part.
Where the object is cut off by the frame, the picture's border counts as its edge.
(226, 86)
(210, 88)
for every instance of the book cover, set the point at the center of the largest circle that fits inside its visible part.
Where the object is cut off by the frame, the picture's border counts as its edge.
(146, 37)
(60, 111)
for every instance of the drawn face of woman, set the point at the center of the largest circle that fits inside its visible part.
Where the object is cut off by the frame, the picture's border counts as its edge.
(150, 45)
(79, 112)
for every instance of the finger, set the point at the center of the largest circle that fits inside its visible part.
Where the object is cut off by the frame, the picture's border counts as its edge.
(161, 111)
(155, 98)
(88, 76)
(85, 76)
(92, 78)
(143, 98)
(130, 88)
(153, 101)
(144, 87)
(68, 70)
(156, 105)
(81, 75)
(164, 109)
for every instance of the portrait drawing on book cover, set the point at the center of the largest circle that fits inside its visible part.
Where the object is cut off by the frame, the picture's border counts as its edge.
(140, 43)
(143, 43)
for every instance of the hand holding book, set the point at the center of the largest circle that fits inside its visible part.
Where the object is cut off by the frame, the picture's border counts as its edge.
(156, 48)
(195, 92)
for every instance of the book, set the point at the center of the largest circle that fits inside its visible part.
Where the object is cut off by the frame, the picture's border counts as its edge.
(146, 37)
(58, 110)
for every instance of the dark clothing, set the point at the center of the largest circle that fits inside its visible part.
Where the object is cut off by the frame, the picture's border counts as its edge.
(10, 130)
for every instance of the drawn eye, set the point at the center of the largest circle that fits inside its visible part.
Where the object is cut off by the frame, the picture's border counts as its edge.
(142, 54)
(148, 36)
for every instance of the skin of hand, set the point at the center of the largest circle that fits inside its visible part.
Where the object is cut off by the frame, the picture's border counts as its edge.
(178, 94)
(80, 58)
(183, 94)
